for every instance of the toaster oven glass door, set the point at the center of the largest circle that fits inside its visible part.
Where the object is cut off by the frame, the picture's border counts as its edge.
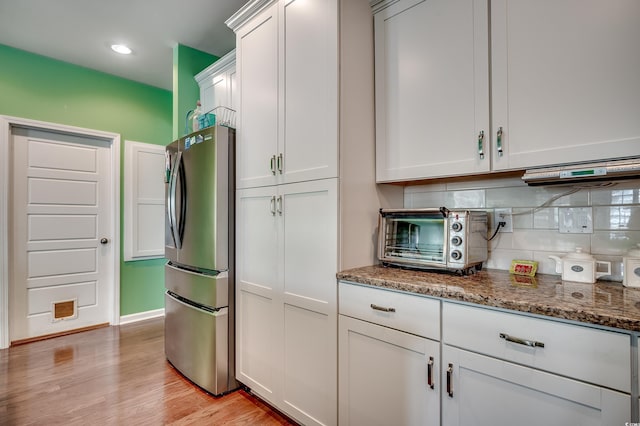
(415, 237)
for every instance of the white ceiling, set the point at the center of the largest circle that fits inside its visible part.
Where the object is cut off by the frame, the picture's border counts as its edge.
(81, 31)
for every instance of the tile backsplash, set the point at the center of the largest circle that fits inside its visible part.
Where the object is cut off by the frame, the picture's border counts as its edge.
(536, 231)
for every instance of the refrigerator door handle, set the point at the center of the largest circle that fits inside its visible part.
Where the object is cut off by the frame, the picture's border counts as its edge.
(180, 221)
(171, 202)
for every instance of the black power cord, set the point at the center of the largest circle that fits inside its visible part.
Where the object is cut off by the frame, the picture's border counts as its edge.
(500, 225)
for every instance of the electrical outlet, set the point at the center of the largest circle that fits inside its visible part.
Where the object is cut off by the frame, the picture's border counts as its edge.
(503, 215)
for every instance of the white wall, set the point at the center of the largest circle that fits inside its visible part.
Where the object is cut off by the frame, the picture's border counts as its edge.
(616, 218)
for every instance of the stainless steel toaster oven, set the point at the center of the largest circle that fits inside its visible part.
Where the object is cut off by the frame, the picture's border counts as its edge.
(433, 238)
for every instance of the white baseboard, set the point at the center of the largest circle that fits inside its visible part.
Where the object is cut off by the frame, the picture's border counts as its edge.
(141, 316)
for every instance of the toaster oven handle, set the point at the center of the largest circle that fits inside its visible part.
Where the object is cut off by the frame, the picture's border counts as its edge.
(382, 308)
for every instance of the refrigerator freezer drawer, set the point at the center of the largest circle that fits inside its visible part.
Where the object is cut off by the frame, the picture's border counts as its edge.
(208, 290)
(196, 344)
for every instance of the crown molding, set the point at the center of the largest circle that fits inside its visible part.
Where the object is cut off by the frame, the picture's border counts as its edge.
(247, 12)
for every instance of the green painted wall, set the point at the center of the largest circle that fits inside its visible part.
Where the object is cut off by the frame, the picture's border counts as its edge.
(187, 62)
(40, 88)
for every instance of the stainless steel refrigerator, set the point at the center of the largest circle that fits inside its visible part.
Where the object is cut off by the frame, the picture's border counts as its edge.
(199, 247)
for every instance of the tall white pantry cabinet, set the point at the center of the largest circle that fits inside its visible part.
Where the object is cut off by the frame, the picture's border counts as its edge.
(306, 203)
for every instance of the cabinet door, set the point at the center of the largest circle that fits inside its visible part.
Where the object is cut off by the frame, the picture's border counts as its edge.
(386, 375)
(565, 80)
(479, 390)
(257, 67)
(220, 87)
(217, 85)
(309, 81)
(207, 95)
(258, 290)
(216, 91)
(233, 90)
(309, 349)
(432, 89)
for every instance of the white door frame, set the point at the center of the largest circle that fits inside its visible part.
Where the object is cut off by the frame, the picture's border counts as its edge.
(5, 137)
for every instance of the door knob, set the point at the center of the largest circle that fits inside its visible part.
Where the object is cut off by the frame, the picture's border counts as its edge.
(104, 240)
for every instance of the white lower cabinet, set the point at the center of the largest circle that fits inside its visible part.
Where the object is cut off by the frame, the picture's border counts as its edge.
(502, 368)
(480, 390)
(286, 331)
(387, 376)
(258, 290)
(411, 360)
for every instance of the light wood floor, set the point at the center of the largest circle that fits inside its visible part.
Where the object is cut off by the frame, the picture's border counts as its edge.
(113, 376)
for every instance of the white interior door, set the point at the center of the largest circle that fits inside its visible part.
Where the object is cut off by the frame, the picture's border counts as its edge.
(61, 257)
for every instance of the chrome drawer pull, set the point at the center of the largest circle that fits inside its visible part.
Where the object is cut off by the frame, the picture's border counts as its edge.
(450, 380)
(382, 308)
(272, 165)
(499, 142)
(531, 343)
(280, 163)
(430, 373)
(273, 205)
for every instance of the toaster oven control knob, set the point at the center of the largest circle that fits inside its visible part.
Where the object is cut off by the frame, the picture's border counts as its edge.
(456, 255)
(456, 226)
(456, 241)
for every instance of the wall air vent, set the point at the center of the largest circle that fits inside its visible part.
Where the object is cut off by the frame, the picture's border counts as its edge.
(588, 172)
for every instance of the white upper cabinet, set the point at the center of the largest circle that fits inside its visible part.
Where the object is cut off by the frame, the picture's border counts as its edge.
(217, 83)
(565, 80)
(564, 85)
(309, 106)
(257, 120)
(288, 91)
(432, 88)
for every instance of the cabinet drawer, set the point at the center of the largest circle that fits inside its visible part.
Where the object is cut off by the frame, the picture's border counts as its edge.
(412, 314)
(595, 356)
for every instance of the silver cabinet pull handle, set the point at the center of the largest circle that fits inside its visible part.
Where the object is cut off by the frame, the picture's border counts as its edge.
(280, 163)
(273, 205)
(272, 164)
(518, 340)
(481, 144)
(382, 308)
(430, 373)
(499, 142)
(279, 205)
(450, 380)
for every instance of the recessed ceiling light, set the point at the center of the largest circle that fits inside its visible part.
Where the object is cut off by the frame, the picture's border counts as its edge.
(121, 48)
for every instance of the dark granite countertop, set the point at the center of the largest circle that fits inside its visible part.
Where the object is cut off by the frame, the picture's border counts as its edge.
(607, 304)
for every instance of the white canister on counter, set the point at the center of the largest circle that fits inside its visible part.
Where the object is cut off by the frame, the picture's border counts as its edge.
(581, 267)
(631, 268)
